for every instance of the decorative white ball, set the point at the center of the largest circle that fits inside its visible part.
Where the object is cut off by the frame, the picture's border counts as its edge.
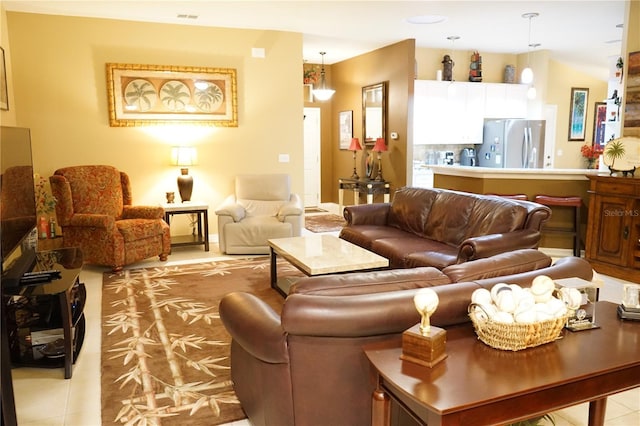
(506, 301)
(571, 297)
(526, 316)
(503, 317)
(481, 296)
(497, 289)
(426, 301)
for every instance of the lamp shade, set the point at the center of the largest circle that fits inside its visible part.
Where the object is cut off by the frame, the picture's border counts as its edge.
(527, 76)
(380, 146)
(183, 156)
(355, 145)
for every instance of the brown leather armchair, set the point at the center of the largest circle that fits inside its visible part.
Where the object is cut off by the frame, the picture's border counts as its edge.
(94, 208)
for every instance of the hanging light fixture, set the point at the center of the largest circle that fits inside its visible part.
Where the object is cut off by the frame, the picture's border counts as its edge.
(323, 94)
(527, 74)
(451, 89)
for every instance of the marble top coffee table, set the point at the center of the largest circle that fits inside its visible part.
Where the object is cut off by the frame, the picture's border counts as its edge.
(321, 254)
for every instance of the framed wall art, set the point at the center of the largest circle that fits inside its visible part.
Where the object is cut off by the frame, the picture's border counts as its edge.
(4, 93)
(578, 114)
(346, 128)
(632, 92)
(599, 120)
(141, 95)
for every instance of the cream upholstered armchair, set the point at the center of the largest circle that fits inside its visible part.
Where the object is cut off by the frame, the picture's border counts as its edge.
(94, 208)
(262, 207)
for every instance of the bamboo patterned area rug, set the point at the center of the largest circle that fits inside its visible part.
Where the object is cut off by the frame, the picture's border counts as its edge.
(165, 352)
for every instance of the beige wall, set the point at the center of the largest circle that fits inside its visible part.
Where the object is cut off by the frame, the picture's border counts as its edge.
(7, 118)
(59, 82)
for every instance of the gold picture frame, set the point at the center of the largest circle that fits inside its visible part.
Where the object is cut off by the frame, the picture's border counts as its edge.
(143, 95)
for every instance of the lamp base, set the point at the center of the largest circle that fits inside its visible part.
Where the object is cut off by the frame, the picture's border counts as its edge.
(185, 185)
(355, 174)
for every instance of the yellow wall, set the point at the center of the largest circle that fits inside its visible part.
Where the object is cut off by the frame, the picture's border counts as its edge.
(59, 82)
(7, 118)
(393, 64)
(558, 92)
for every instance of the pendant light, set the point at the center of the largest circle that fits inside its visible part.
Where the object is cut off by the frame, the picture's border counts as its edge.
(527, 74)
(323, 94)
(451, 89)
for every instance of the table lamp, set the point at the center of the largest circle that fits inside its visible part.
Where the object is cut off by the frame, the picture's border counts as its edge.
(355, 146)
(379, 147)
(184, 156)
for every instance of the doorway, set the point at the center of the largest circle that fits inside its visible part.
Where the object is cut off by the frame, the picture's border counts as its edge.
(311, 157)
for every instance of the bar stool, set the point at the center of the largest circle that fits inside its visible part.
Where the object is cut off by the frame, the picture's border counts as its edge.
(521, 197)
(570, 201)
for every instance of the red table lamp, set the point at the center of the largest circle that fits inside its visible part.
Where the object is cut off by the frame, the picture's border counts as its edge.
(355, 146)
(379, 147)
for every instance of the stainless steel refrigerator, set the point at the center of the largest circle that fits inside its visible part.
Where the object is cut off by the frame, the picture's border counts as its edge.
(512, 143)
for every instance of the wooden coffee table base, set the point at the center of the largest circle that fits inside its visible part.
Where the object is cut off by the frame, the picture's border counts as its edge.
(478, 385)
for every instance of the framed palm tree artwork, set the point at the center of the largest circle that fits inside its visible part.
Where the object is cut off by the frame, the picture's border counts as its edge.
(142, 95)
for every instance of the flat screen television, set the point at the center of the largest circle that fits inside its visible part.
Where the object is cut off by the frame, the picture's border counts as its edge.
(18, 216)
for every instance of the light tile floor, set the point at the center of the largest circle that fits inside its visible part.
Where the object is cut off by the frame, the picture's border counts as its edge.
(44, 398)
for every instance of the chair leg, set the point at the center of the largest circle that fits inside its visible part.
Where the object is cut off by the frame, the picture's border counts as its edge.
(577, 241)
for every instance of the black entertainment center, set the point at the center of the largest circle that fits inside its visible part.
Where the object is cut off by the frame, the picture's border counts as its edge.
(42, 297)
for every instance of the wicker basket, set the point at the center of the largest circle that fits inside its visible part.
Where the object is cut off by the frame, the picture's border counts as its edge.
(516, 336)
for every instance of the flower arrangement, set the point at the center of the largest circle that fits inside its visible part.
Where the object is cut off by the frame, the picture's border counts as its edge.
(310, 74)
(591, 152)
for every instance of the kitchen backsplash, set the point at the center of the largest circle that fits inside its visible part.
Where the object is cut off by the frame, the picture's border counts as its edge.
(433, 154)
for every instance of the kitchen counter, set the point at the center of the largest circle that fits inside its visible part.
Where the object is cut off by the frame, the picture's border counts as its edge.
(525, 174)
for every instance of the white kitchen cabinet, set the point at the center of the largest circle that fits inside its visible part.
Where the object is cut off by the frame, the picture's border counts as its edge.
(453, 113)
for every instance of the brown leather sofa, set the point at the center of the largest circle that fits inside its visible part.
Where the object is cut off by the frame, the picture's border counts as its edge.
(307, 367)
(439, 227)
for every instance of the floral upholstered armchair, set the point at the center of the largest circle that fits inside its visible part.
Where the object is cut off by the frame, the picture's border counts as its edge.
(94, 208)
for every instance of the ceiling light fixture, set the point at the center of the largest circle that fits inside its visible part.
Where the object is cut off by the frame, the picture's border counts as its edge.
(323, 94)
(451, 90)
(527, 74)
(426, 19)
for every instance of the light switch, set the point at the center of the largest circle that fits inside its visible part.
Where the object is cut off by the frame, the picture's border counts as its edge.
(283, 158)
(394, 135)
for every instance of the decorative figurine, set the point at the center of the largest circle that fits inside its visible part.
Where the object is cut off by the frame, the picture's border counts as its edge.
(447, 68)
(171, 196)
(423, 343)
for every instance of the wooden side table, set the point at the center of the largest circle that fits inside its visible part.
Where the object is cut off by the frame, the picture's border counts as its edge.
(362, 186)
(201, 210)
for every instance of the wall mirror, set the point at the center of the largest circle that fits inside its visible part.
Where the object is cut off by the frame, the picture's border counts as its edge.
(374, 112)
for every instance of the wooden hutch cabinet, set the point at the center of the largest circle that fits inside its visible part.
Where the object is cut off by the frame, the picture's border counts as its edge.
(613, 230)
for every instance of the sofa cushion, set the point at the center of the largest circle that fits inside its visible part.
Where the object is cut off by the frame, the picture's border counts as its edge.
(255, 231)
(494, 216)
(502, 264)
(365, 235)
(396, 249)
(354, 283)
(449, 217)
(410, 209)
(439, 258)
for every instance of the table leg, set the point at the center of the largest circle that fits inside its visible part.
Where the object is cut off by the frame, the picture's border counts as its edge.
(380, 408)
(369, 193)
(274, 272)
(356, 197)
(386, 197)
(597, 409)
(340, 197)
(67, 332)
(206, 230)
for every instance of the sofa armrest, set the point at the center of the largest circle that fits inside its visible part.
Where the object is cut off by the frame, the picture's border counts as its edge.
(230, 207)
(89, 220)
(489, 245)
(254, 326)
(367, 214)
(142, 212)
(291, 208)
